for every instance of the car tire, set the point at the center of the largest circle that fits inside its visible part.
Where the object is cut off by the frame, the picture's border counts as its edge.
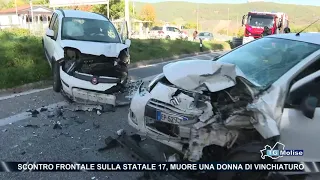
(167, 37)
(56, 76)
(242, 156)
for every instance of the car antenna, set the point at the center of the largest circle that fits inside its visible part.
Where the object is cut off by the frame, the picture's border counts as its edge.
(298, 34)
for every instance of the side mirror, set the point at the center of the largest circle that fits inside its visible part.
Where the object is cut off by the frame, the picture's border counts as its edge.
(50, 33)
(308, 106)
(127, 42)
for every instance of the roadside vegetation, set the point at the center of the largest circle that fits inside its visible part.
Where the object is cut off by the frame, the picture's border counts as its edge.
(22, 60)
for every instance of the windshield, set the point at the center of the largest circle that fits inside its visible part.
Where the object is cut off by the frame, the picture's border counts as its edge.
(89, 30)
(204, 34)
(265, 60)
(260, 21)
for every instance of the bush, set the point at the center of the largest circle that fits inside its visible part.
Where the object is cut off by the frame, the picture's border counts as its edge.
(17, 31)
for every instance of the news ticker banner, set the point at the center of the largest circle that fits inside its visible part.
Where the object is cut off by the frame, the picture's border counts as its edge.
(156, 166)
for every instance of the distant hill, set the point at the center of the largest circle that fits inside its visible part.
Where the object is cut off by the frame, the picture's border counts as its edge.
(215, 13)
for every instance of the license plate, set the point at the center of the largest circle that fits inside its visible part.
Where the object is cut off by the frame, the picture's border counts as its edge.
(164, 117)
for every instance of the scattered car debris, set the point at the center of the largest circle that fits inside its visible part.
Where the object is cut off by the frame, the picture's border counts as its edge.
(31, 126)
(23, 153)
(119, 132)
(84, 107)
(4, 130)
(86, 130)
(98, 112)
(173, 158)
(34, 113)
(57, 125)
(93, 177)
(42, 109)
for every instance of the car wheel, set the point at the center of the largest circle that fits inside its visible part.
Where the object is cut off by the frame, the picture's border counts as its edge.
(168, 37)
(186, 38)
(56, 76)
(243, 175)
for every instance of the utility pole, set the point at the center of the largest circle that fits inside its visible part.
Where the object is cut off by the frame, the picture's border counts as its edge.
(197, 17)
(127, 16)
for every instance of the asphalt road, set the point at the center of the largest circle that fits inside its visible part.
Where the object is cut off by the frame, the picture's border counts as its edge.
(77, 138)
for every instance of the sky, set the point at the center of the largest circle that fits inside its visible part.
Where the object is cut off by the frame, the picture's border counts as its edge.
(300, 2)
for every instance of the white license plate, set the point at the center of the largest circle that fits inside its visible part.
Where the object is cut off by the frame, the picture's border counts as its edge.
(164, 117)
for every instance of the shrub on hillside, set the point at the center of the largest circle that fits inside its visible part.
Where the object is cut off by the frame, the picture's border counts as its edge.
(17, 31)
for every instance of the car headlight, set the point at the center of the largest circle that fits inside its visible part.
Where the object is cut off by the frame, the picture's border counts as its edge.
(154, 81)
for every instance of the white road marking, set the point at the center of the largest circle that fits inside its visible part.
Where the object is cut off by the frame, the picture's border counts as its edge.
(23, 93)
(26, 115)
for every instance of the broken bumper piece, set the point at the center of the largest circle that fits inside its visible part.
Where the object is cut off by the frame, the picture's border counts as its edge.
(81, 90)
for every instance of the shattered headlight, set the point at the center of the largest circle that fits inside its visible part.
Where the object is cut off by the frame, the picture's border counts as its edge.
(154, 81)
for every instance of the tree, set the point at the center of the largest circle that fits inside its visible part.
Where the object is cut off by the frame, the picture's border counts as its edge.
(190, 25)
(116, 9)
(148, 14)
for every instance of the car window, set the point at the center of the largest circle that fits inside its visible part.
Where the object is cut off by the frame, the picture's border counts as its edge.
(55, 28)
(53, 18)
(265, 60)
(83, 29)
(170, 29)
(157, 28)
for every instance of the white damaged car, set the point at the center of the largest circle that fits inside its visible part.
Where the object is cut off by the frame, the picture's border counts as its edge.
(230, 108)
(88, 56)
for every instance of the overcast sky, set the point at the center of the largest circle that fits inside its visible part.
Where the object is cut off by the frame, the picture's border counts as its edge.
(302, 2)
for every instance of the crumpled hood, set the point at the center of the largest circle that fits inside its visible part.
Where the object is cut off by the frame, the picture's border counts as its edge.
(198, 74)
(95, 48)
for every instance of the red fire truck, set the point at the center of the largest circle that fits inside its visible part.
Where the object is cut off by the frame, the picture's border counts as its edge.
(255, 22)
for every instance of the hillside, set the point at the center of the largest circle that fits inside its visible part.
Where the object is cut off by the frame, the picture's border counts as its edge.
(210, 14)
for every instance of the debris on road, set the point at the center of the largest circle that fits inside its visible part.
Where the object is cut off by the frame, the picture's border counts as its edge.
(86, 130)
(34, 113)
(4, 130)
(86, 107)
(57, 125)
(43, 109)
(98, 112)
(31, 126)
(120, 132)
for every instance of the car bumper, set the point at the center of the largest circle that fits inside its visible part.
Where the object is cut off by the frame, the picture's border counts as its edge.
(81, 90)
(137, 119)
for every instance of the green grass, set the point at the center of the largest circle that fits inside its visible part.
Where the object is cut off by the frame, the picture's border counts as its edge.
(22, 59)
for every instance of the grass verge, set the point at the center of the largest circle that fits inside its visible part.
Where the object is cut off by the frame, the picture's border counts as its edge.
(22, 59)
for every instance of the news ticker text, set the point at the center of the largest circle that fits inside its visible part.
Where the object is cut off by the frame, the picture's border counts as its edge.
(157, 166)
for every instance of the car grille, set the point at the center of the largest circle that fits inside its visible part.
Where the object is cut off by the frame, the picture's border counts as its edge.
(172, 130)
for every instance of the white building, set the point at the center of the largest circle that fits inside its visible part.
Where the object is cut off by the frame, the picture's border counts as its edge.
(22, 17)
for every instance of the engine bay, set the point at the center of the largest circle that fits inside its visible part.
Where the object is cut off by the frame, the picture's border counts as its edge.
(75, 61)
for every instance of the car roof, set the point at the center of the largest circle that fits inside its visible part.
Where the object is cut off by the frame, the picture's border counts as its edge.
(313, 38)
(81, 14)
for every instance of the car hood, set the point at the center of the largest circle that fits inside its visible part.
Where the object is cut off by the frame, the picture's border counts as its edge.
(197, 75)
(95, 48)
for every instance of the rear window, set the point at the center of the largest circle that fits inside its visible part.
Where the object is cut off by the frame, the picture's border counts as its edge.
(157, 28)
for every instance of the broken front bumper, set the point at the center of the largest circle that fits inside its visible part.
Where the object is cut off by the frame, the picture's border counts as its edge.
(137, 119)
(81, 89)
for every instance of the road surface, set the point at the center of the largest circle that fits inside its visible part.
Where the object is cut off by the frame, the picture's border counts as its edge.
(54, 135)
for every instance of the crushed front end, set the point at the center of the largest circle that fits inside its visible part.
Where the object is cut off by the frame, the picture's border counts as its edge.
(93, 78)
(191, 120)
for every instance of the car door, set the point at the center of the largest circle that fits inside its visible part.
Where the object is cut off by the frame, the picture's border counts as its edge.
(170, 32)
(55, 40)
(300, 122)
(47, 41)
